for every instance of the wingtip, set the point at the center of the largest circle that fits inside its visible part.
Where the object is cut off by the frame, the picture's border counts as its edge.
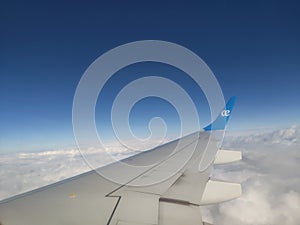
(221, 121)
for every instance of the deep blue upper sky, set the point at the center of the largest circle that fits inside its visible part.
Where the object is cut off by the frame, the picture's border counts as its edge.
(252, 47)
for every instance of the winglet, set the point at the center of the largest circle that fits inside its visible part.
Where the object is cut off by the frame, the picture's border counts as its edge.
(221, 121)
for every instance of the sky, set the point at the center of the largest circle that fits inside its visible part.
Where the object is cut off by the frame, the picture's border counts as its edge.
(252, 47)
(45, 46)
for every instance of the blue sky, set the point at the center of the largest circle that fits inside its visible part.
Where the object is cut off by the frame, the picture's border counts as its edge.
(252, 47)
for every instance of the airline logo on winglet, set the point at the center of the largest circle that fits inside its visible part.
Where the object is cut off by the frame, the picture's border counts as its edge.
(225, 113)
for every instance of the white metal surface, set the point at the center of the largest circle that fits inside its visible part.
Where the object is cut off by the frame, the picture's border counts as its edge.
(227, 156)
(220, 191)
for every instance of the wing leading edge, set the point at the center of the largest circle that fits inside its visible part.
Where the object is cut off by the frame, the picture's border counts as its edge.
(160, 193)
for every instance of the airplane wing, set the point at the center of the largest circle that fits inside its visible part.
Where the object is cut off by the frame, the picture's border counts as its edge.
(159, 193)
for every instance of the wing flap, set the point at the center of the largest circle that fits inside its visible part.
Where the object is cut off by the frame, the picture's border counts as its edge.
(220, 191)
(227, 156)
(137, 208)
(173, 214)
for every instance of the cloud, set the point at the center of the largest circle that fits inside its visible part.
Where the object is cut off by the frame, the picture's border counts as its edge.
(21, 172)
(270, 177)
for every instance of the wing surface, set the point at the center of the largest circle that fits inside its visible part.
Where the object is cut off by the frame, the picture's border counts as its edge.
(166, 186)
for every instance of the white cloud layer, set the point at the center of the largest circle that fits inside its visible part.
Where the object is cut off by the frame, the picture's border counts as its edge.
(270, 177)
(269, 174)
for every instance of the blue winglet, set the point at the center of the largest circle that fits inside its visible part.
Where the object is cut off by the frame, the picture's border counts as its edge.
(221, 121)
